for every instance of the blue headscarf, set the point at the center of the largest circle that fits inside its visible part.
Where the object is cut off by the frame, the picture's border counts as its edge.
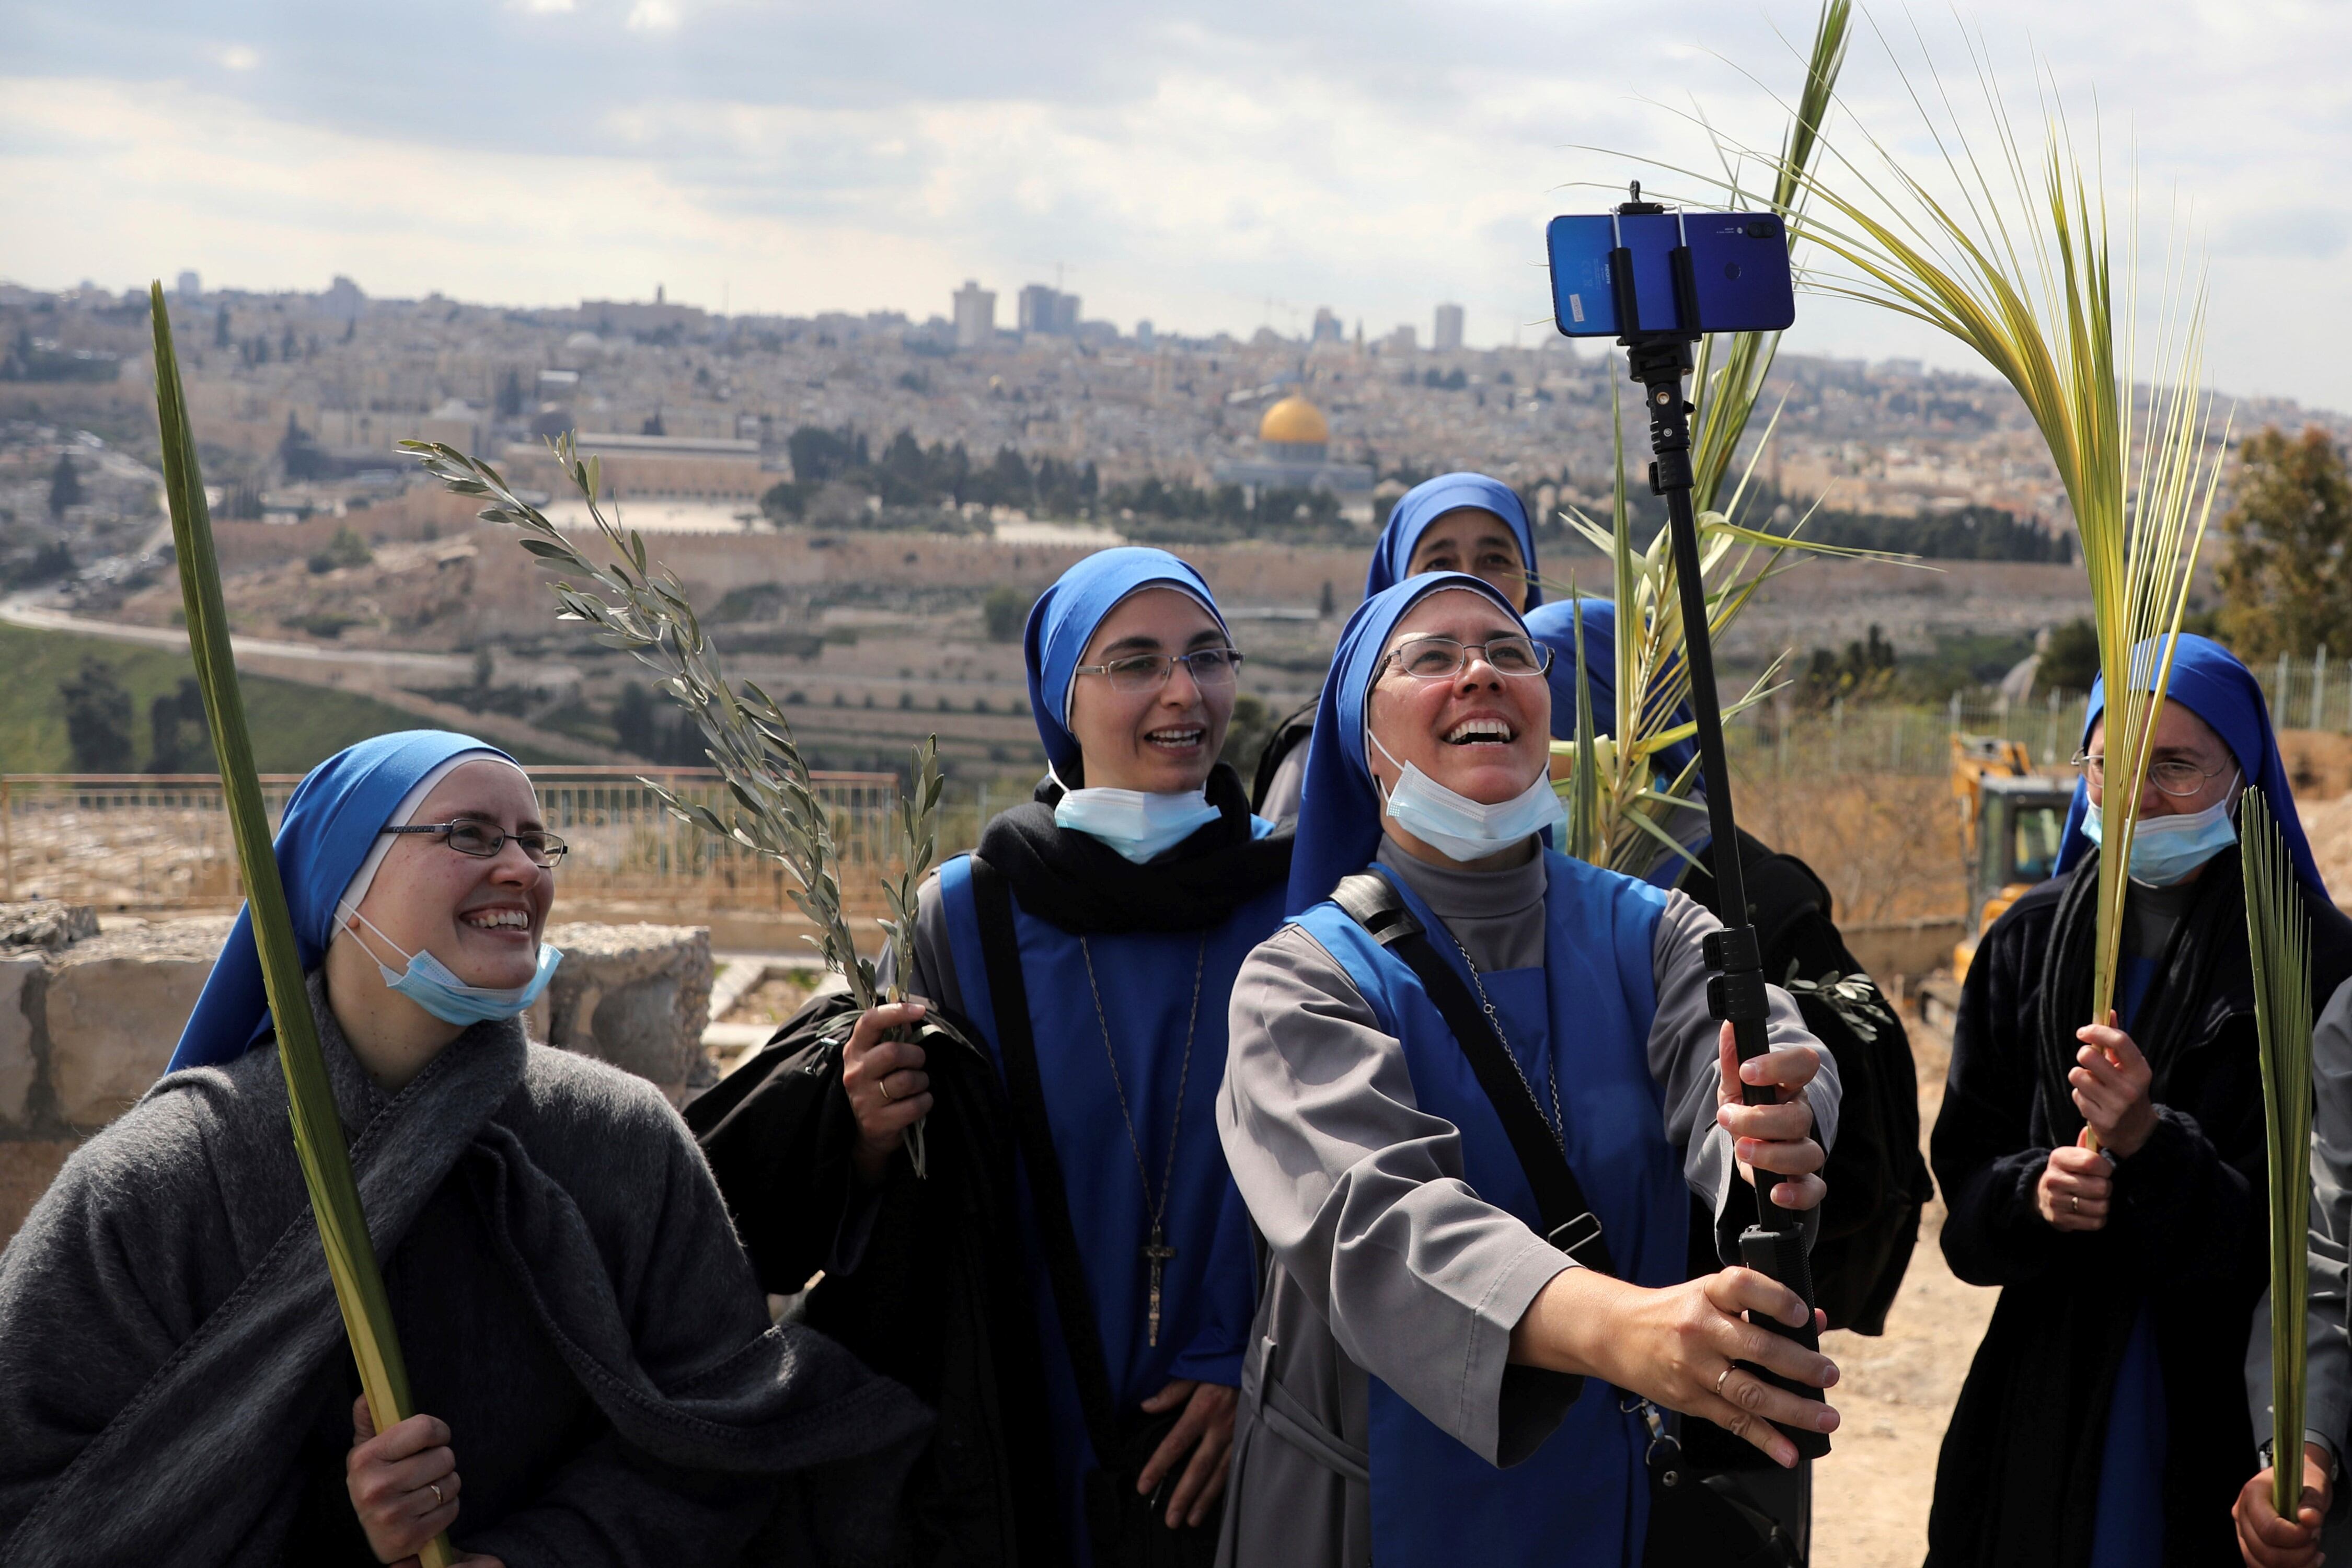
(1433, 498)
(2208, 680)
(1064, 619)
(1339, 809)
(1554, 625)
(332, 825)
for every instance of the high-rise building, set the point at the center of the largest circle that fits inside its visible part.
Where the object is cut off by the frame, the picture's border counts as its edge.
(1400, 342)
(191, 286)
(975, 315)
(1048, 311)
(1144, 336)
(1448, 333)
(1326, 328)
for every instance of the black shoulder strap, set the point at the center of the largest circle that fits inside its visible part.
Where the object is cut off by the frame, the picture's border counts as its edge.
(1290, 732)
(1025, 1093)
(1569, 1224)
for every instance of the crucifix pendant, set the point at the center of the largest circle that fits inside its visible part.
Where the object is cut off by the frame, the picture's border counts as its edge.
(1156, 1252)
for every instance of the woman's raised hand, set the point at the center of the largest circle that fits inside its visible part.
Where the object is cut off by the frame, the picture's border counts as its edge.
(2111, 1081)
(404, 1485)
(888, 1089)
(1676, 1347)
(1776, 1138)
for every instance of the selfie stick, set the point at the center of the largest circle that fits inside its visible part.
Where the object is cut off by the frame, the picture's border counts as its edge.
(1773, 1247)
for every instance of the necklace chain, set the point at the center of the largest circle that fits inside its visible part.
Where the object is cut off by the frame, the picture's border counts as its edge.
(1494, 1021)
(1183, 1074)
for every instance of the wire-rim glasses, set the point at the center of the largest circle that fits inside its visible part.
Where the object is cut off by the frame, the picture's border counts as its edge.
(483, 842)
(1212, 669)
(2175, 776)
(1442, 659)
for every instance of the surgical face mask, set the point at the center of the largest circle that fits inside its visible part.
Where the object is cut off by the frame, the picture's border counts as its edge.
(2166, 850)
(428, 983)
(1460, 828)
(1137, 823)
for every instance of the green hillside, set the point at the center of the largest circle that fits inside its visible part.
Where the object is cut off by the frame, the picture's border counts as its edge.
(294, 726)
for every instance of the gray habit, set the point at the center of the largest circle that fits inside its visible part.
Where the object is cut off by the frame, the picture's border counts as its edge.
(175, 1386)
(1382, 1258)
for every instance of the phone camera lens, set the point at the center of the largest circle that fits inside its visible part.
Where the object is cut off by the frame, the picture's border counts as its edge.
(1762, 229)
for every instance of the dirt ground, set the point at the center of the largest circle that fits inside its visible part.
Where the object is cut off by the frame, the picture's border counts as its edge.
(1895, 1393)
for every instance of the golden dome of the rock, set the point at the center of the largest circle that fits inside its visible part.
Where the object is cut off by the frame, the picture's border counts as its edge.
(1295, 422)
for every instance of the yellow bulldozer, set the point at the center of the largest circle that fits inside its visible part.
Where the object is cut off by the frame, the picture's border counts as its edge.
(2011, 818)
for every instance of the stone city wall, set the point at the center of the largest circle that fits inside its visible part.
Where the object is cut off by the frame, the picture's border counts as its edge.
(87, 1019)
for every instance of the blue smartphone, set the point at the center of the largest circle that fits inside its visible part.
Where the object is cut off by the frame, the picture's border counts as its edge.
(1739, 273)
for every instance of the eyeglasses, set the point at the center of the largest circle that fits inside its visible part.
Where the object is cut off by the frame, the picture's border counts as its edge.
(1213, 669)
(1442, 659)
(483, 842)
(2175, 776)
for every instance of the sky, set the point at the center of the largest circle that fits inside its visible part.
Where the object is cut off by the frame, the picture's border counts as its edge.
(1211, 167)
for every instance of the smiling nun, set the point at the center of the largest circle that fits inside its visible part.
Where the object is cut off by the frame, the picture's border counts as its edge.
(596, 1378)
(1430, 1380)
(1455, 522)
(1092, 941)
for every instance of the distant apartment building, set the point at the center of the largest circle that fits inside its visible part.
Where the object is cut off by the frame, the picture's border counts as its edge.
(1447, 335)
(1326, 328)
(1049, 311)
(1400, 342)
(975, 315)
(610, 316)
(191, 287)
(1144, 336)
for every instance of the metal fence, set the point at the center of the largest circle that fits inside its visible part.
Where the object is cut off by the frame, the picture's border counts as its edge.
(162, 841)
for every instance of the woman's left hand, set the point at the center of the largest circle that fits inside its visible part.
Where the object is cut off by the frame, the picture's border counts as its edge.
(2110, 1082)
(1778, 1138)
(1206, 1430)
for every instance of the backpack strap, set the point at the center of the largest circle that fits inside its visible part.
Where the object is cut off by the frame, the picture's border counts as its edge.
(1025, 1095)
(1290, 732)
(1372, 902)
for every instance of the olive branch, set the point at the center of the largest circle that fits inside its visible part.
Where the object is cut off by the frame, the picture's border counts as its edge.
(771, 805)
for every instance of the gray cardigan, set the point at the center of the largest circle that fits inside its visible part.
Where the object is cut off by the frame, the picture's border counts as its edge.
(1383, 1260)
(175, 1383)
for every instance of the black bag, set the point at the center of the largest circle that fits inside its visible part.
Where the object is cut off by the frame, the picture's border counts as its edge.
(1694, 1522)
(1128, 1528)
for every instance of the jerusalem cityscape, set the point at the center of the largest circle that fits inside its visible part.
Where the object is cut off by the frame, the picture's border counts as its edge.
(780, 679)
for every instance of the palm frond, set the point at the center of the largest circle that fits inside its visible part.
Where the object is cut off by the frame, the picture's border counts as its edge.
(2278, 934)
(317, 1127)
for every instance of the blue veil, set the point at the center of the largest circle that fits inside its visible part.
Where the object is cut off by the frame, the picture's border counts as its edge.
(332, 824)
(1064, 619)
(1339, 811)
(1554, 625)
(1433, 498)
(2208, 680)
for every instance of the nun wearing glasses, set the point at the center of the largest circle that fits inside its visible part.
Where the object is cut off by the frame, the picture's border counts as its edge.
(1431, 1379)
(1088, 947)
(594, 1374)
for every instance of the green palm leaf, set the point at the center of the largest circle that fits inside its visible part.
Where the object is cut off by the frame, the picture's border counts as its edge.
(311, 1099)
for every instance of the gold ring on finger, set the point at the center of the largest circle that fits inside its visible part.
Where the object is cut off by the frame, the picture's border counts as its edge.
(1723, 1376)
(2073, 1204)
(883, 1084)
(438, 1500)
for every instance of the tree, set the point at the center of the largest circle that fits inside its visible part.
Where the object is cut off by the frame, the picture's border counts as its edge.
(180, 741)
(98, 718)
(2286, 580)
(510, 395)
(1007, 609)
(2072, 660)
(220, 329)
(65, 486)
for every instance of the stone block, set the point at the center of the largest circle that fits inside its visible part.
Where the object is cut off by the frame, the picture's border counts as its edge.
(19, 994)
(635, 995)
(46, 924)
(27, 1169)
(115, 1005)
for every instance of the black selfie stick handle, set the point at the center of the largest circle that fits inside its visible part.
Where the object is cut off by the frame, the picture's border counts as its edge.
(1774, 1246)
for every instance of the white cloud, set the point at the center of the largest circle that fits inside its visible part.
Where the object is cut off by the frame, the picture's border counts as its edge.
(1374, 155)
(237, 57)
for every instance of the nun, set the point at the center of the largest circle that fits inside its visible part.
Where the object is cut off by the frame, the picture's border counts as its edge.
(1090, 944)
(594, 1374)
(2104, 1420)
(1431, 1379)
(1455, 522)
